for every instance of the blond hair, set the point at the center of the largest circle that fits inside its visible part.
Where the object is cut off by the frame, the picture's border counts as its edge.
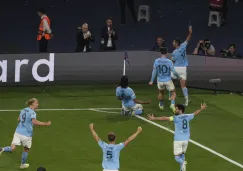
(30, 101)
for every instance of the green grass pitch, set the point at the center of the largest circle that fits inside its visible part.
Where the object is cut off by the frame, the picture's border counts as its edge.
(67, 145)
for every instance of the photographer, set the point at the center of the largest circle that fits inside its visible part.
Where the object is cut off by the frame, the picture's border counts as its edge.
(230, 52)
(160, 43)
(204, 47)
(83, 38)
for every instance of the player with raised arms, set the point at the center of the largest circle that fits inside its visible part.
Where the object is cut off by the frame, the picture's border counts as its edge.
(24, 131)
(180, 60)
(130, 105)
(162, 68)
(182, 131)
(111, 151)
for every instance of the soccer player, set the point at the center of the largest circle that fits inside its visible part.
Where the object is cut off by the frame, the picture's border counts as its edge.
(111, 151)
(163, 68)
(181, 62)
(182, 131)
(24, 131)
(130, 105)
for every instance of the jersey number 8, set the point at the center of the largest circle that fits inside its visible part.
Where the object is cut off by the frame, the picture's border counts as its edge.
(184, 124)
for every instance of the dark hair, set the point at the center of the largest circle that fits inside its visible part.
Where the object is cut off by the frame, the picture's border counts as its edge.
(41, 169)
(109, 18)
(164, 50)
(111, 137)
(178, 41)
(232, 45)
(180, 107)
(124, 82)
(41, 10)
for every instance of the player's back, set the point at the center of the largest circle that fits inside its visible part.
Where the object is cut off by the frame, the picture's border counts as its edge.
(111, 155)
(182, 126)
(179, 56)
(127, 96)
(163, 68)
(25, 126)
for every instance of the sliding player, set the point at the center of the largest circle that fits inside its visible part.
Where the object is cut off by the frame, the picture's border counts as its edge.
(130, 105)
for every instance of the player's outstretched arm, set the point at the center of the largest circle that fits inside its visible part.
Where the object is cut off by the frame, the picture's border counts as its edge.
(142, 102)
(39, 123)
(96, 137)
(132, 137)
(189, 35)
(203, 107)
(163, 118)
(153, 76)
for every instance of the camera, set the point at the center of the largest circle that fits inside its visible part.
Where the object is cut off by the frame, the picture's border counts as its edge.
(206, 43)
(224, 52)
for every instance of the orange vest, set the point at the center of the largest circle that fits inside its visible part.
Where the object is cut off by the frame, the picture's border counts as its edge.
(40, 32)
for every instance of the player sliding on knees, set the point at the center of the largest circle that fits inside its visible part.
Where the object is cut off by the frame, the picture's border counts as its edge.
(180, 60)
(163, 68)
(130, 105)
(24, 131)
(111, 151)
(182, 131)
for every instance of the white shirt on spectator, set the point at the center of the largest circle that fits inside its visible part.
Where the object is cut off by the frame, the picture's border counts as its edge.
(109, 43)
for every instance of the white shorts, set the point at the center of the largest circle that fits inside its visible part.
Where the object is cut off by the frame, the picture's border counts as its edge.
(169, 85)
(182, 71)
(136, 107)
(22, 140)
(180, 147)
(109, 170)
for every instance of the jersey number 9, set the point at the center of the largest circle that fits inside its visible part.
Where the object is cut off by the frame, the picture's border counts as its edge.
(23, 118)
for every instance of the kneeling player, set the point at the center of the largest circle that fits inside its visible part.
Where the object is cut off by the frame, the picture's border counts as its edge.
(163, 68)
(130, 105)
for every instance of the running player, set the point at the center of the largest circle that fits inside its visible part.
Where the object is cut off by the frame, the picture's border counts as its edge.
(111, 151)
(24, 131)
(130, 105)
(163, 68)
(182, 131)
(180, 60)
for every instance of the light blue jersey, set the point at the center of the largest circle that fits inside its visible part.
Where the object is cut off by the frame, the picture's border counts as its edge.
(179, 56)
(25, 126)
(163, 68)
(127, 96)
(182, 126)
(111, 155)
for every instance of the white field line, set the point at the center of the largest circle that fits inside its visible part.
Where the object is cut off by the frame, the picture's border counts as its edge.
(109, 110)
(192, 141)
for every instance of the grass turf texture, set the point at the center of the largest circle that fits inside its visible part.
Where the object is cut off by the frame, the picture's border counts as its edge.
(68, 144)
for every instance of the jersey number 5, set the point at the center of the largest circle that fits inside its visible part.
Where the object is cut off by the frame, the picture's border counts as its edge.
(23, 118)
(184, 124)
(109, 155)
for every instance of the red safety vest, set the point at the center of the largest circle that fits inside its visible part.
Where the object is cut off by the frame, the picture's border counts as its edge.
(216, 3)
(40, 32)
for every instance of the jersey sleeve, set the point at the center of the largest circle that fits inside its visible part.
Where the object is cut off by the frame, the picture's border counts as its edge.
(33, 115)
(101, 144)
(133, 96)
(173, 58)
(120, 146)
(117, 92)
(183, 46)
(190, 116)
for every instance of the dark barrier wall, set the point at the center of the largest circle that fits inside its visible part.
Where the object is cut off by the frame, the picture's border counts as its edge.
(107, 67)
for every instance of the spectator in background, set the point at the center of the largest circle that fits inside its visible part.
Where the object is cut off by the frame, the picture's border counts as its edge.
(230, 52)
(220, 6)
(160, 43)
(108, 37)
(84, 38)
(131, 6)
(44, 32)
(204, 47)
